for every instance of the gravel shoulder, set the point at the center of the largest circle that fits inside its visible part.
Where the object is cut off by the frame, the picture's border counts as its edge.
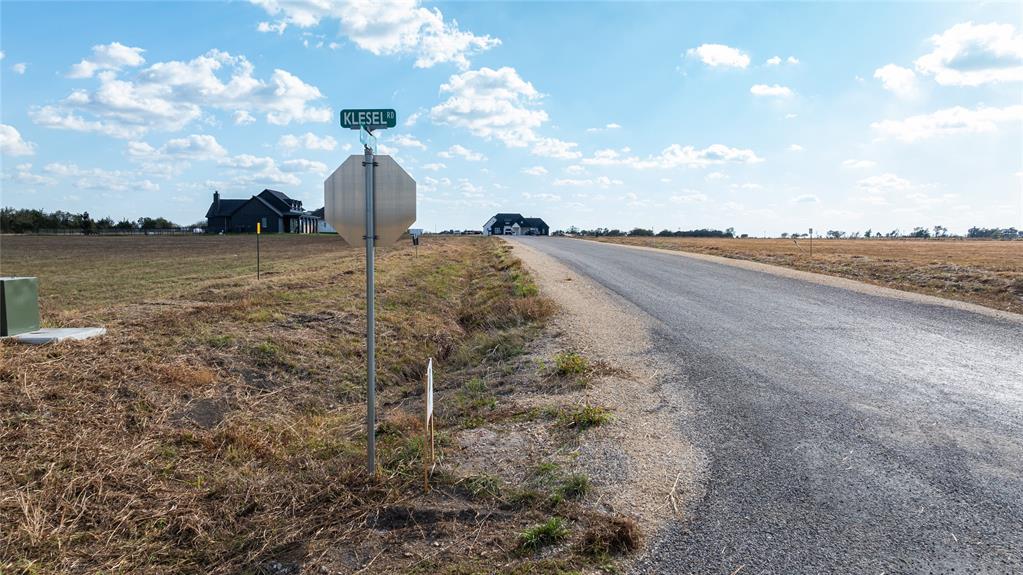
(841, 430)
(640, 462)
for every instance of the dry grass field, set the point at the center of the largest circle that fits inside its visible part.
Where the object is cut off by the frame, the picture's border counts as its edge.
(988, 273)
(218, 427)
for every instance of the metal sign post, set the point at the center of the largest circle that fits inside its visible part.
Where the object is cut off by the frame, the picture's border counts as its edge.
(371, 198)
(257, 249)
(371, 342)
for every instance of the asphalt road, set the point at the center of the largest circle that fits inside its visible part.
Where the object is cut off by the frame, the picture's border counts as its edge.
(845, 432)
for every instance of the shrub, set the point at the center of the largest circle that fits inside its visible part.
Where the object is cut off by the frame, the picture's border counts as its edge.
(618, 535)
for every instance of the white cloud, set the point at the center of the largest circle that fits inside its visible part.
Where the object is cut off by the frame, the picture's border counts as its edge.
(555, 148)
(2, 55)
(773, 61)
(606, 157)
(611, 126)
(395, 27)
(309, 141)
(575, 170)
(896, 79)
(499, 104)
(535, 171)
(792, 60)
(715, 55)
(969, 54)
(408, 141)
(491, 104)
(19, 68)
(747, 186)
(12, 144)
(715, 176)
(795, 148)
(170, 95)
(957, 120)
(243, 118)
(113, 56)
(883, 184)
(805, 199)
(858, 164)
(459, 151)
(23, 174)
(544, 197)
(259, 171)
(98, 179)
(412, 119)
(433, 167)
(674, 156)
(689, 156)
(301, 165)
(278, 27)
(599, 182)
(773, 90)
(791, 116)
(175, 155)
(688, 197)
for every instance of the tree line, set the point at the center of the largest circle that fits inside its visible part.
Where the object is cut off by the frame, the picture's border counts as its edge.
(917, 232)
(22, 221)
(920, 232)
(642, 232)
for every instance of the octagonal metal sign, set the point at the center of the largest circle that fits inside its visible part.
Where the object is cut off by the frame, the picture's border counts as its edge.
(344, 200)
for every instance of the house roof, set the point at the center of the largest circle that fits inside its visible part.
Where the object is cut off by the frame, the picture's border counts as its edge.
(227, 207)
(280, 199)
(534, 223)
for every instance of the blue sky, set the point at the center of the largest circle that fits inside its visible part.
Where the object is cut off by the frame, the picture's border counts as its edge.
(766, 117)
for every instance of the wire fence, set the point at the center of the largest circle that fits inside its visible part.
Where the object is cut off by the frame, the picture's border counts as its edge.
(180, 231)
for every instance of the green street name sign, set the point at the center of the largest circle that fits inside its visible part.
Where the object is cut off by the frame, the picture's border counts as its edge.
(371, 119)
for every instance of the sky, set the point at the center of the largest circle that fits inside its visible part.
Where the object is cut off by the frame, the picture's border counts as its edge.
(765, 117)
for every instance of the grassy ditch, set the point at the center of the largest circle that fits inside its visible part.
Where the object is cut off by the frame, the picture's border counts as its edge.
(218, 427)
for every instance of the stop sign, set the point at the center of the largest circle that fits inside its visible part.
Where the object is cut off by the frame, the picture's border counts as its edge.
(344, 200)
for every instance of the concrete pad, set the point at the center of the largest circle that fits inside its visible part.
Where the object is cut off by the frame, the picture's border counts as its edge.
(47, 335)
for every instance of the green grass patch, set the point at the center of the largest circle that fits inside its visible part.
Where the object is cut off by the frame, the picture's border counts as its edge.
(582, 417)
(547, 533)
(570, 363)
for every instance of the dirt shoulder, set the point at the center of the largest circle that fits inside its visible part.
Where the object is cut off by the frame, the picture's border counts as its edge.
(642, 464)
(978, 273)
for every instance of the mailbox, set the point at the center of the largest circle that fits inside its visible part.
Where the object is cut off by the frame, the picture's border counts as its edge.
(19, 305)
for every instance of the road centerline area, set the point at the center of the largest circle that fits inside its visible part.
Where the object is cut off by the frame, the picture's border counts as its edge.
(846, 432)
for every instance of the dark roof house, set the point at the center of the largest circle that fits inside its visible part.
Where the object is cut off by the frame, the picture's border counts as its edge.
(273, 210)
(515, 225)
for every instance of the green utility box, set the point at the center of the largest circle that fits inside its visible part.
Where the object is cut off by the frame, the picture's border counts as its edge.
(19, 305)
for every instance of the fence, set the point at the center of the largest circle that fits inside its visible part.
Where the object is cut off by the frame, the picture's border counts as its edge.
(181, 231)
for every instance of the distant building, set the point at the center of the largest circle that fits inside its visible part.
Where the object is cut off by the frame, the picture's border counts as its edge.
(273, 210)
(322, 225)
(515, 225)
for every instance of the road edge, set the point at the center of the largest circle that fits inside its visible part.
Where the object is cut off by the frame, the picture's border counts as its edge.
(833, 281)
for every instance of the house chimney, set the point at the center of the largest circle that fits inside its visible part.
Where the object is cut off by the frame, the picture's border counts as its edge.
(216, 202)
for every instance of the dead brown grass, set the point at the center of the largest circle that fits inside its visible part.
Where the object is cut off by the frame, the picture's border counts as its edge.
(988, 273)
(218, 427)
